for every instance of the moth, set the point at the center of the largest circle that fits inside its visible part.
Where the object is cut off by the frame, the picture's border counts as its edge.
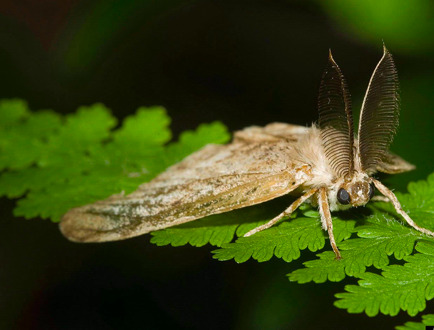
(326, 165)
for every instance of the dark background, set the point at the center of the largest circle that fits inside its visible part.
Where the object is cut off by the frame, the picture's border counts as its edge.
(241, 62)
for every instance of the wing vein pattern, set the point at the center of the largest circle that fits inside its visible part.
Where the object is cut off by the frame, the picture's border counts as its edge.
(259, 165)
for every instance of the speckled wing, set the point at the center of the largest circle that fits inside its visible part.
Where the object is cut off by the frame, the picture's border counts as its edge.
(259, 165)
(393, 164)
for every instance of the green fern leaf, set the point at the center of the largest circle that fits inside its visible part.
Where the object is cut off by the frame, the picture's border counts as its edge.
(215, 230)
(406, 287)
(283, 241)
(382, 236)
(427, 320)
(56, 163)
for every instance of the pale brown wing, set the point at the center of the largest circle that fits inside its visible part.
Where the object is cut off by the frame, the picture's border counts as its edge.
(275, 132)
(216, 179)
(393, 164)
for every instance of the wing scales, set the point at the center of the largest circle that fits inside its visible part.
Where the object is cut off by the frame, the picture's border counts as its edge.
(393, 164)
(213, 180)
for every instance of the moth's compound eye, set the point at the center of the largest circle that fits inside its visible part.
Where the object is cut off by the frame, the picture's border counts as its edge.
(371, 190)
(343, 196)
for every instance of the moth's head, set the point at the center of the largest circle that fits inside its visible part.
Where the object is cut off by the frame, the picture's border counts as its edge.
(355, 192)
(351, 160)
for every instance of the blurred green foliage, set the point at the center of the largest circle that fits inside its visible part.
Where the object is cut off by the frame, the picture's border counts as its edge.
(103, 23)
(405, 26)
(55, 163)
(426, 320)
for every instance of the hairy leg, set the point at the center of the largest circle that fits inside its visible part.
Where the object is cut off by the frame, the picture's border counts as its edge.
(326, 218)
(391, 196)
(285, 213)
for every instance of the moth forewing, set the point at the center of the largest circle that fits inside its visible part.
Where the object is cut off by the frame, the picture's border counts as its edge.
(393, 164)
(263, 163)
(258, 166)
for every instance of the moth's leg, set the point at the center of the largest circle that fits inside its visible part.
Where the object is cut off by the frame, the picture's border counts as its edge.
(287, 212)
(326, 218)
(380, 199)
(391, 196)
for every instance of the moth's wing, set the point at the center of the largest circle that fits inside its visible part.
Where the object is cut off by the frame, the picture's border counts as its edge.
(271, 133)
(393, 164)
(216, 179)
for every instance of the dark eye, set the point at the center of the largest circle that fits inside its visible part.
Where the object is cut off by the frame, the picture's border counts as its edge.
(343, 196)
(371, 190)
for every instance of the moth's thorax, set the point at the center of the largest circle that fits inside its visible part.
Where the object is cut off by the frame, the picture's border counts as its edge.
(310, 151)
